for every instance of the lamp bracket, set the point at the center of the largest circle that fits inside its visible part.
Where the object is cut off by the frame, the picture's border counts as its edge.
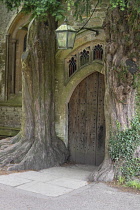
(91, 29)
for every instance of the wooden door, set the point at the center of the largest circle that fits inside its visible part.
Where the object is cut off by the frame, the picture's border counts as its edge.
(86, 124)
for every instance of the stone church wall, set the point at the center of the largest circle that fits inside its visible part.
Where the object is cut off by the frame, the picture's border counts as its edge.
(10, 110)
(9, 115)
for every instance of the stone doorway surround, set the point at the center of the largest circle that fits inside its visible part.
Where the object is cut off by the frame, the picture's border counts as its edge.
(65, 83)
(63, 93)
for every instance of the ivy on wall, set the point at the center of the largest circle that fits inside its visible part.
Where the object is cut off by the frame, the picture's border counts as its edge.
(122, 147)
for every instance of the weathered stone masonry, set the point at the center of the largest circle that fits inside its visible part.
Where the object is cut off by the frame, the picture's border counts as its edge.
(10, 120)
(10, 105)
(10, 116)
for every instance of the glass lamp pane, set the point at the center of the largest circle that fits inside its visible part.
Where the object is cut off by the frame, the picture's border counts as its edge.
(62, 39)
(71, 39)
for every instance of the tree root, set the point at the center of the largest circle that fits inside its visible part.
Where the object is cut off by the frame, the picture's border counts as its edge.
(4, 143)
(14, 152)
(22, 154)
(105, 172)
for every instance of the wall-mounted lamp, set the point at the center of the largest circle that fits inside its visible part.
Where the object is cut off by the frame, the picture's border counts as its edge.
(66, 34)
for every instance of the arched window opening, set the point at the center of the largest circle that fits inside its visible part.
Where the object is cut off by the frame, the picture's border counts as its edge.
(72, 66)
(84, 57)
(15, 45)
(98, 52)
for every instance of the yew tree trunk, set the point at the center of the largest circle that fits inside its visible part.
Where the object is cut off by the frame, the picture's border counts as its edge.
(122, 43)
(37, 146)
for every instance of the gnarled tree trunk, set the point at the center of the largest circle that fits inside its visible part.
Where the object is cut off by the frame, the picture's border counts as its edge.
(36, 146)
(121, 44)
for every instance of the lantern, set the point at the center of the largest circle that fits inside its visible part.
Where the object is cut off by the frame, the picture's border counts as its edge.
(65, 36)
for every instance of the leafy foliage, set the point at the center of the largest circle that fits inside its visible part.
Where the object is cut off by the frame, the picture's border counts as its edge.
(133, 184)
(125, 4)
(40, 8)
(86, 6)
(121, 149)
(80, 10)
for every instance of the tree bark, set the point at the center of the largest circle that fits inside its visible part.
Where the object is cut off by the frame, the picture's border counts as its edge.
(121, 44)
(37, 146)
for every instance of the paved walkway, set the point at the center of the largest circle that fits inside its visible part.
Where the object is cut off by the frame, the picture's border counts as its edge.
(62, 188)
(52, 182)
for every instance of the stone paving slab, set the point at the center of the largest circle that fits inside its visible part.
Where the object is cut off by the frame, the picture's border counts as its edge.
(69, 183)
(89, 168)
(12, 181)
(68, 173)
(53, 182)
(36, 176)
(45, 188)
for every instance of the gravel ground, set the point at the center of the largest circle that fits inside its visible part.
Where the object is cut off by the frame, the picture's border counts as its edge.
(95, 196)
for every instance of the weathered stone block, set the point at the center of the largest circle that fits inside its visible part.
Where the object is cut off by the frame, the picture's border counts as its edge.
(10, 116)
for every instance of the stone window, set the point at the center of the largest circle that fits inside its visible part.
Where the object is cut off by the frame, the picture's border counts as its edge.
(15, 46)
(85, 55)
(72, 66)
(98, 52)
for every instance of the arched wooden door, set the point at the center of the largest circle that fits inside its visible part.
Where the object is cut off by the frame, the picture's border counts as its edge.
(86, 122)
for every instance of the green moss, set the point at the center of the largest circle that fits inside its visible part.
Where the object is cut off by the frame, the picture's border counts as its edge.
(7, 131)
(14, 101)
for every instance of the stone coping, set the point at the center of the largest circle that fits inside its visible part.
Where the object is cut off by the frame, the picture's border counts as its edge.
(10, 104)
(7, 131)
